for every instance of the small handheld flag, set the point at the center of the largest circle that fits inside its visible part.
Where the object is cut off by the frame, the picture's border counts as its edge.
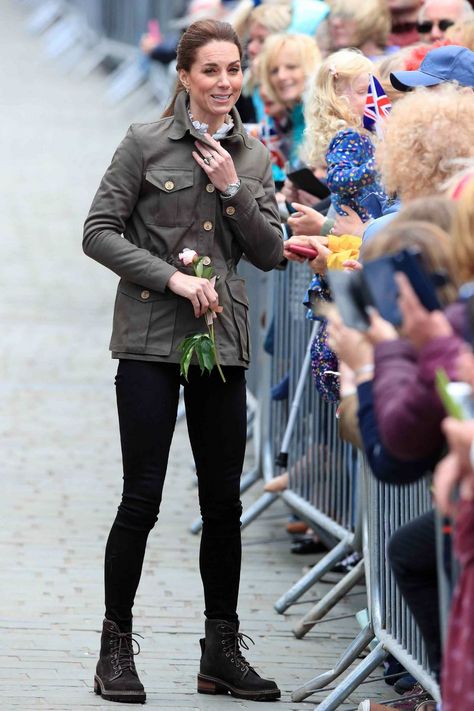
(377, 105)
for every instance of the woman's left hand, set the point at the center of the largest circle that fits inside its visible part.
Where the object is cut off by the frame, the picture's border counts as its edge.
(216, 162)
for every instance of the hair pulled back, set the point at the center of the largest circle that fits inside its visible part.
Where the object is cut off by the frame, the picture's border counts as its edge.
(196, 36)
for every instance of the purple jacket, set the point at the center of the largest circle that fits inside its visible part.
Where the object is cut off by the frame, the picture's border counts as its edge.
(409, 411)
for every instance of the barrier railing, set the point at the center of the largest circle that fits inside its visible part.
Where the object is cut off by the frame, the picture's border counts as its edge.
(390, 622)
(299, 434)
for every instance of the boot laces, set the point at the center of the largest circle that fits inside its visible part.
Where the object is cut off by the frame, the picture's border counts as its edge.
(231, 642)
(121, 644)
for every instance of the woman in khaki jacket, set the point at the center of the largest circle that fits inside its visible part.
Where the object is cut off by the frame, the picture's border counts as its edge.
(195, 180)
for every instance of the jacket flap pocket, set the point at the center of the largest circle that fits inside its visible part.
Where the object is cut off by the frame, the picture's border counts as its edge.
(254, 185)
(140, 293)
(237, 291)
(170, 180)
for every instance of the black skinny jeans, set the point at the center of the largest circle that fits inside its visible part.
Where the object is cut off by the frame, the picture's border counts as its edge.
(147, 400)
(412, 555)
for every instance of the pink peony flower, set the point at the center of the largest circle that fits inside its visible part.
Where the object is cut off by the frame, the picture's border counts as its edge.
(187, 256)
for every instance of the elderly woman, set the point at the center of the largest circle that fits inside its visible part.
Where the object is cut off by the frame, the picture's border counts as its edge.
(195, 180)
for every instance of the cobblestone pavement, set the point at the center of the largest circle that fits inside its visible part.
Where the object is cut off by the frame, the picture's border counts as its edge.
(60, 464)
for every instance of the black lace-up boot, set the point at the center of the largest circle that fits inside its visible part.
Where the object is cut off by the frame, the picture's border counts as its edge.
(224, 669)
(116, 678)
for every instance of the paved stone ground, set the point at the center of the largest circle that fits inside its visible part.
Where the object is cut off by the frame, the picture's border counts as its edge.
(60, 463)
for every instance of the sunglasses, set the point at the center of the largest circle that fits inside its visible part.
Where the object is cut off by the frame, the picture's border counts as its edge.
(426, 26)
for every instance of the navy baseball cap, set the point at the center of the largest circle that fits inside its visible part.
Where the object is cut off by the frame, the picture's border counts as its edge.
(451, 63)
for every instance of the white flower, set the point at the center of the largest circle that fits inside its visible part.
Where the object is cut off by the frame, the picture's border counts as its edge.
(187, 256)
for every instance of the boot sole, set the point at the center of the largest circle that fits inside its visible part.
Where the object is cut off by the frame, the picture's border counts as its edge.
(126, 697)
(211, 685)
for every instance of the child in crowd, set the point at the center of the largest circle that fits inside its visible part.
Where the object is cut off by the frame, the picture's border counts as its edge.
(335, 133)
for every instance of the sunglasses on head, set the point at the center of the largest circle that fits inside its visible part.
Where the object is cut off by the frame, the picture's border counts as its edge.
(426, 26)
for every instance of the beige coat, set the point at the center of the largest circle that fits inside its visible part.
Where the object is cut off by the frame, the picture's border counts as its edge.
(160, 200)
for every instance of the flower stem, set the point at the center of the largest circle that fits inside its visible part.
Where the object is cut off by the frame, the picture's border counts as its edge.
(213, 339)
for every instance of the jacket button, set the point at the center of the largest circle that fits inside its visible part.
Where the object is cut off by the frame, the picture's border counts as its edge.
(145, 294)
(208, 225)
(169, 185)
(230, 210)
(210, 188)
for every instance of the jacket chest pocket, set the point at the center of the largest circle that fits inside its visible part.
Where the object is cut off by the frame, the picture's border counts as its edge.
(144, 320)
(171, 197)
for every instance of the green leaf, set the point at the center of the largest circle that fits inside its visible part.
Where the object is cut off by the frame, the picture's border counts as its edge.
(207, 272)
(199, 268)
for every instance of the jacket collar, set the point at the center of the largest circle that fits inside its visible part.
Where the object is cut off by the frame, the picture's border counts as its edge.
(181, 124)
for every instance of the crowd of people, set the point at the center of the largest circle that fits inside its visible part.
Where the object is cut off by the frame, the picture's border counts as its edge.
(366, 110)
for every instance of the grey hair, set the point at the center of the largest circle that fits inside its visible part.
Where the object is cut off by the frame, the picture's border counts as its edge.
(467, 10)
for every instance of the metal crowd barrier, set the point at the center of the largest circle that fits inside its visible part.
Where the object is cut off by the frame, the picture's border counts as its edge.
(331, 487)
(84, 34)
(299, 434)
(390, 622)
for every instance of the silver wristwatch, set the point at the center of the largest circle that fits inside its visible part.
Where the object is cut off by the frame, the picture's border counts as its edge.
(231, 189)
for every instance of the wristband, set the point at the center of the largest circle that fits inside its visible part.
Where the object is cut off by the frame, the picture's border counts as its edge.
(364, 369)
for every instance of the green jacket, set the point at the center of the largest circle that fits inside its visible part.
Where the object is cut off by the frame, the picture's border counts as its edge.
(153, 201)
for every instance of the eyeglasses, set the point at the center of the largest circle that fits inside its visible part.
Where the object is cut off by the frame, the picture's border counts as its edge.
(426, 26)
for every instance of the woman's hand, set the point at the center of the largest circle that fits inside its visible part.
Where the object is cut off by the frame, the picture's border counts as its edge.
(317, 243)
(447, 475)
(419, 325)
(289, 191)
(305, 221)
(200, 292)
(351, 346)
(147, 43)
(218, 163)
(465, 367)
(351, 224)
(380, 330)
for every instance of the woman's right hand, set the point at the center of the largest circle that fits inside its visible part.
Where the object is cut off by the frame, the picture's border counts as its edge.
(200, 292)
(305, 221)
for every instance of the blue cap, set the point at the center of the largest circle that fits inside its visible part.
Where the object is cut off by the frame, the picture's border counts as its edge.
(442, 64)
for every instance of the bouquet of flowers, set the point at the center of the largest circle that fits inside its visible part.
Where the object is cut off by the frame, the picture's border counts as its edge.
(201, 344)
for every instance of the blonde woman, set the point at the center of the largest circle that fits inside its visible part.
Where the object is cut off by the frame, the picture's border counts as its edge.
(335, 133)
(286, 63)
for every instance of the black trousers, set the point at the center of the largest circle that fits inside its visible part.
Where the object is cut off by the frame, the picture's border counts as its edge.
(147, 400)
(412, 555)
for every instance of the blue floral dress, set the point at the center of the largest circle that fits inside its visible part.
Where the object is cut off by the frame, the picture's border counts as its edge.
(351, 174)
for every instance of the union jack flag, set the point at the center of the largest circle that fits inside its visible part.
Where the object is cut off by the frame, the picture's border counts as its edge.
(377, 105)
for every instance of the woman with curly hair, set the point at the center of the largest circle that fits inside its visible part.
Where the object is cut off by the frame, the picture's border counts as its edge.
(428, 133)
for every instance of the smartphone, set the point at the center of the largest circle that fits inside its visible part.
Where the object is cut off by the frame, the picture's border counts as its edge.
(305, 179)
(352, 296)
(380, 273)
(302, 250)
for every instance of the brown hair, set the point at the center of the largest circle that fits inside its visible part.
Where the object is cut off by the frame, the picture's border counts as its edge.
(433, 243)
(436, 209)
(196, 36)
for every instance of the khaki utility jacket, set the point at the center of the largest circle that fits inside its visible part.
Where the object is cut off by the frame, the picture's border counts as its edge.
(153, 201)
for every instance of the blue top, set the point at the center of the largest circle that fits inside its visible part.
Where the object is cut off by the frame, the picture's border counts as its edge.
(352, 177)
